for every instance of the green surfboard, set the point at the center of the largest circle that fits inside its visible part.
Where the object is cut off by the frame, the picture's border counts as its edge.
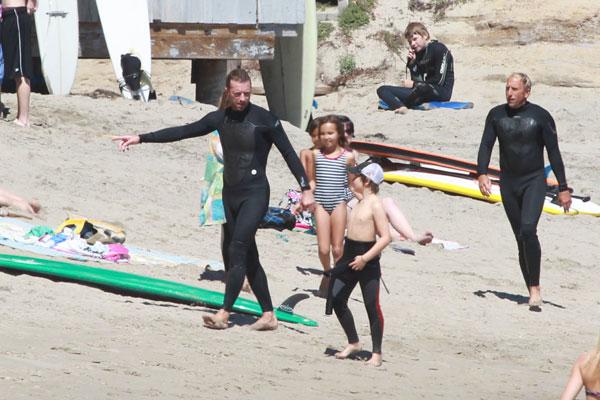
(139, 285)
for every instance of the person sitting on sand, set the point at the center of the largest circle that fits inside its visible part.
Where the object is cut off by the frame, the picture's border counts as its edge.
(585, 373)
(8, 199)
(367, 235)
(431, 72)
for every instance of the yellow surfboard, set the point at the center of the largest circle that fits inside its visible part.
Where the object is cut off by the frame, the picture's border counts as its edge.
(469, 187)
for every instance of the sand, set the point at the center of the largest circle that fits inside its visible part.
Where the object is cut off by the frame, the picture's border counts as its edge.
(456, 325)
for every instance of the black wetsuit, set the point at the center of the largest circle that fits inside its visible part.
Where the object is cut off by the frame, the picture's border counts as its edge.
(342, 283)
(432, 72)
(246, 137)
(523, 133)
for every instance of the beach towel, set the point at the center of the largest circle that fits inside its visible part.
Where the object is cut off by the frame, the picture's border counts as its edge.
(454, 105)
(211, 196)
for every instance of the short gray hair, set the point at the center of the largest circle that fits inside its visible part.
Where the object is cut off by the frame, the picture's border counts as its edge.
(523, 78)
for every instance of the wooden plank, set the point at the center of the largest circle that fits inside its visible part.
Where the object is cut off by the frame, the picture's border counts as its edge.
(219, 43)
(187, 41)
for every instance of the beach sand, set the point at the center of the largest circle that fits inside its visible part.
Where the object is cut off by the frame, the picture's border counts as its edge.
(456, 322)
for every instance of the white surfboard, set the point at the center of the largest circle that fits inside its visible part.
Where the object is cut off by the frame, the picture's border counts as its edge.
(57, 27)
(289, 79)
(126, 30)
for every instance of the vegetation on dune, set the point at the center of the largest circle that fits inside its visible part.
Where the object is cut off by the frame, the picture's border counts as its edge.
(324, 29)
(357, 14)
(437, 7)
(347, 64)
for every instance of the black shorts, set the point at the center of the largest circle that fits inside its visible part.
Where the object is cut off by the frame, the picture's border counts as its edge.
(16, 43)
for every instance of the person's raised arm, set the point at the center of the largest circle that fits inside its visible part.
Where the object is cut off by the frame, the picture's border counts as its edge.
(575, 382)
(484, 155)
(199, 128)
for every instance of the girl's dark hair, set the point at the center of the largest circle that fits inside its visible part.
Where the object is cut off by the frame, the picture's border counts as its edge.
(237, 75)
(334, 119)
(348, 125)
(314, 124)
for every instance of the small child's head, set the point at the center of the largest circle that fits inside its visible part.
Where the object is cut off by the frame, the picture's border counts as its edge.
(370, 174)
(313, 131)
(348, 127)
(331, 132)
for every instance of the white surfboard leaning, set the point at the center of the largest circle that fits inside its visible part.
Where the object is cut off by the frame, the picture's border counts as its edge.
(289, 79)
(57, 28)
(126, 30)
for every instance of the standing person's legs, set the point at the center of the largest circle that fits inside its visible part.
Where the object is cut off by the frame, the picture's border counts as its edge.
(394, 96)
(340, 293)
(259, 284)
(338, 227)
(323, 228)
(22, 65)
(532, 206)
(369, 285)
(23, 97)
(243, 212)
(511, 201)
(1, 74)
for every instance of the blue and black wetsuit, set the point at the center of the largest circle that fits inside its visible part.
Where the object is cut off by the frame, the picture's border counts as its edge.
(523, 133)
(432, 72)
(247, 137)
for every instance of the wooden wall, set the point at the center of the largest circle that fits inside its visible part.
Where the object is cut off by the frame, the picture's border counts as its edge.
(243, 12)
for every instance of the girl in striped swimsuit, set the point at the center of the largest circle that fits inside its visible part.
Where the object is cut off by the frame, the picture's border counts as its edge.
(331, 161)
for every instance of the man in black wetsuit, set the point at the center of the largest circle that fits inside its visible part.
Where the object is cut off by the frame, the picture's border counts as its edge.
(523, 130)
(247, 133)
(431, 72)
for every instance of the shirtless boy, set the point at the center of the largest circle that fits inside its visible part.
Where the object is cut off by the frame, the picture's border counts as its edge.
(367, 235)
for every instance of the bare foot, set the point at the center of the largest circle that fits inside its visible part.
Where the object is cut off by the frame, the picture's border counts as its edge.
(21, 124)
(401, 110)
(220, 320)
(268, 322)
(375, 361)
(323, 287)
(424, 239)
(348, 351)
(535, 299)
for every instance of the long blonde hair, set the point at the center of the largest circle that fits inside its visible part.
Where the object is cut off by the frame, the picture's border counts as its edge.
(237, 75)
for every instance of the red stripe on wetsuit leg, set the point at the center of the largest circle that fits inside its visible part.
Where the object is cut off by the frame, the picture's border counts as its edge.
(379, 313)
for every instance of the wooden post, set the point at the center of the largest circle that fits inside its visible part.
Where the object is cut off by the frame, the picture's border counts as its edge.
(209, 77)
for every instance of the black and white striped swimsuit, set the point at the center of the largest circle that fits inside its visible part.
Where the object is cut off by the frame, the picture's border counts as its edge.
(331, 180)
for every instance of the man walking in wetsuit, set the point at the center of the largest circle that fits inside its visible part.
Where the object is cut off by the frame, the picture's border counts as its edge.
(431, 72)
(247, 133)
(523, 130)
